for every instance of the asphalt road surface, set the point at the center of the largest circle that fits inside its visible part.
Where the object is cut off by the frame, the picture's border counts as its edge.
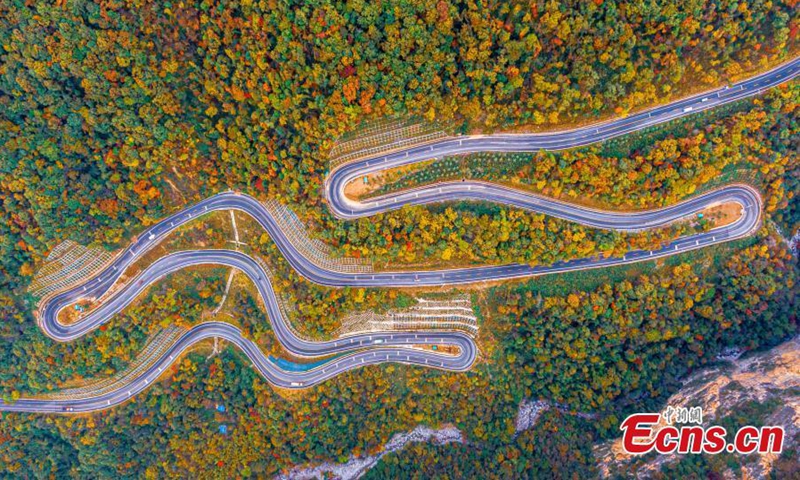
(379, 347)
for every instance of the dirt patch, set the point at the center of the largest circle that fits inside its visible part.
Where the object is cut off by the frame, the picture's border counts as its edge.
(443, 349)
(358, 188)
(73, 313)
(721, 215)
(364, 185)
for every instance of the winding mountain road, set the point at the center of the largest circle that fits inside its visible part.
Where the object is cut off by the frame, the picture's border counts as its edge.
(358, 350)
(344, 207)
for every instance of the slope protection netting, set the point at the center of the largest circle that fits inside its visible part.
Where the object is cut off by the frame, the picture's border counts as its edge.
(316, 251)
(154, 349)
(375, 137)
(453, 313)
(67, 264)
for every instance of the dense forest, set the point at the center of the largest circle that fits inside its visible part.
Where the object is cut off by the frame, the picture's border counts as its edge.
(115, 113)
(103, 103)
